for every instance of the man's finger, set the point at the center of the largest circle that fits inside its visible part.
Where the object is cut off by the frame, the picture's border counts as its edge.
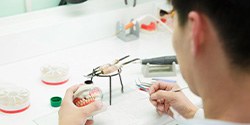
(167, 106)
(153, 102)
(161, 107)
(159, 85)
(170, 113)
(91, 108)
(162, 94)
(89, 122)
(70, 91)
(159, 112)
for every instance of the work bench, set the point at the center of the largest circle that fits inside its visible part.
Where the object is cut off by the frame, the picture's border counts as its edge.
(24, 52)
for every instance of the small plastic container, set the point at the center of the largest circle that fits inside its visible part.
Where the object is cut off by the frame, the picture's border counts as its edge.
(14, 100)
(55, 74)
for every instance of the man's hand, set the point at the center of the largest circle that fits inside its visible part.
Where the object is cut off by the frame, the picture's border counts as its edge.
(70, 114)
(162, 98)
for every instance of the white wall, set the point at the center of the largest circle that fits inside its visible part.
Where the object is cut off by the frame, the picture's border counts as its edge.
(40, 33)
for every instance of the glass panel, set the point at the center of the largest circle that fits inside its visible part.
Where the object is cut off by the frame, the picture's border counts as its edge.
(14, 7)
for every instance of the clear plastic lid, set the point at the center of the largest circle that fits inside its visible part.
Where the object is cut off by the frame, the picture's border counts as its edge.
(14, 99)
(54, 74)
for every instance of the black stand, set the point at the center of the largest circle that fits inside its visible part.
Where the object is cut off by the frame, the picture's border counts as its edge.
(110, 82)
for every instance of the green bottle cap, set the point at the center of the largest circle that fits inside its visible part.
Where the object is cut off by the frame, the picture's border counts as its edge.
(55, 101)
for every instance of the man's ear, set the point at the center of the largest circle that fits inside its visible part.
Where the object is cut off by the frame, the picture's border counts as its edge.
(197, 25)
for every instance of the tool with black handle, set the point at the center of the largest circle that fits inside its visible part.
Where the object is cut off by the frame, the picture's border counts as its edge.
(164, 60)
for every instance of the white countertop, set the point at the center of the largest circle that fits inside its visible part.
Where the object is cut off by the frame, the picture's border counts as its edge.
(81, 60)
(25, 51)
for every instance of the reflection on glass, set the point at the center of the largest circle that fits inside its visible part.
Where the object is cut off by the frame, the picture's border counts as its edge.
(10, 7)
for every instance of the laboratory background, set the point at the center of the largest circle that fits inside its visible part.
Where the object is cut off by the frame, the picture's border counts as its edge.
(117, 47)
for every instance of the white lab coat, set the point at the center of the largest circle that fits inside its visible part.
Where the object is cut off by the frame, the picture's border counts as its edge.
(209, 122)
(200, 120)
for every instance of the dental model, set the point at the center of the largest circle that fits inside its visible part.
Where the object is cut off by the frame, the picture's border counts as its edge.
(14, 100)
(87, 94)
(54, 74)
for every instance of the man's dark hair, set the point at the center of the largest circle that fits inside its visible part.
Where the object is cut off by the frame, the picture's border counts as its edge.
(231, 18)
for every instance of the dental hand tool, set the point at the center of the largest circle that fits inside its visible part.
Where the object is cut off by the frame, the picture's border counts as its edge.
(110, 68)
(145, 86)
(102, 67)
(178, 90)
(110, 64)
(115, 67)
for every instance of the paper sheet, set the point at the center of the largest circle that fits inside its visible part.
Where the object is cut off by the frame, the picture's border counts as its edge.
(132, 108)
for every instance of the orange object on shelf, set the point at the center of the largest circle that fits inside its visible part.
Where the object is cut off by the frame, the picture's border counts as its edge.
(163, 20)
(129, 25)
(150, 27)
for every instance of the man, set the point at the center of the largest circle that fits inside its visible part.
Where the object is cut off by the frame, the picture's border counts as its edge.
(212, 43)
